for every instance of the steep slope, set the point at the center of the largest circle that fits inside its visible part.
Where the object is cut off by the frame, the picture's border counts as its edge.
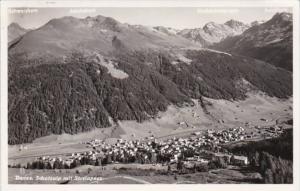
(73, 75)
(83, 93)
(271, 41)
(15, 31)
(236, 26)
(59, 36)
(213, 33)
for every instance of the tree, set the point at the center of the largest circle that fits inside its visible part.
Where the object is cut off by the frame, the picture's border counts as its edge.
(221, 163)
(169, 168)
(212, 165)
(29, 166)
(179, 165)
(254, 159)
(48, 165)
(98, 162)
(109, 159)
(202, 168)
(268, 178)
(153, 157)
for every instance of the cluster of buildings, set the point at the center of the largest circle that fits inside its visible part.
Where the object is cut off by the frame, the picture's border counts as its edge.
(226, 135)
(270, 131)
(203, 147)
(195, 149)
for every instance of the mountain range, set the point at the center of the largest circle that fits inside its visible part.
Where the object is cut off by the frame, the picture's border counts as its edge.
(271, 41)
(104, 34)
(73, 75)
(213, 33)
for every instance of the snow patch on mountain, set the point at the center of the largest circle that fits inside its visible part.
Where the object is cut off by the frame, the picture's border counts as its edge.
(184, 59)
(217, 51)
(111, 67)
(274, 41)
(166, 30)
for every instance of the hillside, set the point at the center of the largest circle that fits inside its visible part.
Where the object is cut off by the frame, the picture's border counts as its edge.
(73, 75)
(84, 92)
(271, 41)
(60, 36)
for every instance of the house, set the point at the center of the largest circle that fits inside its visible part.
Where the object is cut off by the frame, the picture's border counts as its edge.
(197, 133)
(225, 156)
(239, 160)
(263, 119)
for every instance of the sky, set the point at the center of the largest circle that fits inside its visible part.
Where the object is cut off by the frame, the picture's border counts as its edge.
(178, 18)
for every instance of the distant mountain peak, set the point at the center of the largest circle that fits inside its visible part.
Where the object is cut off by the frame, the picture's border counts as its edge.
(213, 32)
(234, 23)
(14, 25)
(280, 19)
(101, 19)
(264, 40)
(15, 31)
(283, 16)
(210, 25)
(255, 23)
(166, 30)
(57, 22)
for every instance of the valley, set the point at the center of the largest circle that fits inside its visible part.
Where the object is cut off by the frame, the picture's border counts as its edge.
(94, 97)
(166, 125)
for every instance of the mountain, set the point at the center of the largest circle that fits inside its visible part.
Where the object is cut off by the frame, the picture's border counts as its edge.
(271, 41)
(83, 93)
(213, 33)
(166, 30)
(115, 76)
(254, 23)
(15, 31)
(236, 26)
(59, 36)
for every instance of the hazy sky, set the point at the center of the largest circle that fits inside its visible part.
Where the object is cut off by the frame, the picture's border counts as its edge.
(171, 17)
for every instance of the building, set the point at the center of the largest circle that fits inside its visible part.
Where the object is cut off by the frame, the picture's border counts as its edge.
(239, 160)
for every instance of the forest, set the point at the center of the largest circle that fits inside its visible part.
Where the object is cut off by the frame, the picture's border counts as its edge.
(76, 94)
(273, 158)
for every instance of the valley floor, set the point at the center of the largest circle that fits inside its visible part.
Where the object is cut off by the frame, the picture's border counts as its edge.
(256, 110)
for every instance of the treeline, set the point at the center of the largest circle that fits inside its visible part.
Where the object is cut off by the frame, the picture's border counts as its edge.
(225, 74)
(77, 94)
(274, 170)
(279, 147)
(212, 74)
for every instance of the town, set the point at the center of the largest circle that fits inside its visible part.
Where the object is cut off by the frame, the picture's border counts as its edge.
(200, 150)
